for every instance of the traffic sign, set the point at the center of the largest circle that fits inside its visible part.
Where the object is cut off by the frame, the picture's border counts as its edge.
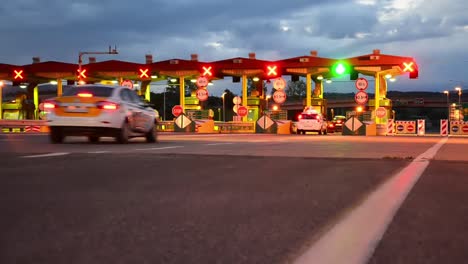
(279, 97)
(381, 112)
(410, 128)
(177, 110)
(202, 81)
(242, 111)
(361, 84)
(237, 100)
(127, 83)
(465, 129)
(202, 94)
(235, 107)
(279, 83)
(361, 97)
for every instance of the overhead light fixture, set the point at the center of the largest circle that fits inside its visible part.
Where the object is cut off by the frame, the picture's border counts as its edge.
(173, 80)
(393, 79)
(255, 79)
(320, 77)
(53, 82)
(23, 86)
(154, 76)
(210, 84)
(388, 76)
(193, 80)
(328, 81)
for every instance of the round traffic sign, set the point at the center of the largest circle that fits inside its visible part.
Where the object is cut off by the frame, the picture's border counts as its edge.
(202, 94)
(279, 96)
(455, 129)
(381, 112)
(177, 110)
(202, 81)
(235, 107)
(242, 111)
(465, 129)
(400, 128)
(361, 84)
(237, 100)
(361, 97)
(410, 128)
(279, 83)
(41, 106)
(127, 83)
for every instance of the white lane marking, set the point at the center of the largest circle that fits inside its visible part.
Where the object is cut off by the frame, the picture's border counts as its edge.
(47, 155)
(217, 144)
(161, 148)
(354, 239)
(98, 151)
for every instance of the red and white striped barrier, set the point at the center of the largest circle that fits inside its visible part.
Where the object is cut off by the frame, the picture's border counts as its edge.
(421, 127)
(32, 129)
(390, 127)
(444, 127)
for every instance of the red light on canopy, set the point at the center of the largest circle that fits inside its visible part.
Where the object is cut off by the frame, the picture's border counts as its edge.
(272, 70)
(144, 73)
(207, 71)
(18, 74)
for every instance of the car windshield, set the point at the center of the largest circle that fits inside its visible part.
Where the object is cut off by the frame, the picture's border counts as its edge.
(97, 91)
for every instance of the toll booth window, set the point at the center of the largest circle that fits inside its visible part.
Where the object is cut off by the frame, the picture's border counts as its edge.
(96, 91)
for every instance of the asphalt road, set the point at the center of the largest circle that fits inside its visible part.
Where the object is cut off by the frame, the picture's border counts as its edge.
(221, 198)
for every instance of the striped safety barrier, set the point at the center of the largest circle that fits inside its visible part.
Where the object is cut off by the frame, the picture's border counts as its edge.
(405, 127)
(421, 127)
(390, 127)
(32, 129)
(444, 127)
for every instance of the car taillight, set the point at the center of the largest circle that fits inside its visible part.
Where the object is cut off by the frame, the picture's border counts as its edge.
(107, 105)
(339, 121)
(330, 125)
(49, 105)
(317, 117)
(87, 95)
(299, 117)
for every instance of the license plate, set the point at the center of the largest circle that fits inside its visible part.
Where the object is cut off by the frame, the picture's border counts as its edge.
(76, 109)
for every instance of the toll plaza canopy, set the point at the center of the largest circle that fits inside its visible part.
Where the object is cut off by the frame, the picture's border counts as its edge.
(312, 65)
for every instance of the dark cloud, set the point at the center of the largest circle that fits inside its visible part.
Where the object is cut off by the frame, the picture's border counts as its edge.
(59, 29)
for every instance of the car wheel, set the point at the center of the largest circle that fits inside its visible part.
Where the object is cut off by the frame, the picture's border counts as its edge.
(123, 133)
(152, 135)
(320, 132)
(56, 136)
(325, 131)
(298, 131)
(93, 139)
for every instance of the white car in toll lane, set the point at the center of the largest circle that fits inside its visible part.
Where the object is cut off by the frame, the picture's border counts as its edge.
(311, 121)
(100, 111)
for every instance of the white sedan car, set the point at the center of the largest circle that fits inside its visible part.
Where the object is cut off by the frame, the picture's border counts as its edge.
(100, 111)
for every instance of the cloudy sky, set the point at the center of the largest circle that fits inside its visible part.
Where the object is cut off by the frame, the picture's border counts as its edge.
(434, 32)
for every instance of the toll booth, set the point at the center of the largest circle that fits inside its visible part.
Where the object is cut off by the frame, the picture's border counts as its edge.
(253, 104)
(15, 109)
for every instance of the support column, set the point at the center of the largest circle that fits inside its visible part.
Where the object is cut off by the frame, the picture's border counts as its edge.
(59, 87)
(145, 90)
(308, 90)
(244, 94)
(182, 92)
(1, 101)
(377, 97)
(318, 91)
(36, 101)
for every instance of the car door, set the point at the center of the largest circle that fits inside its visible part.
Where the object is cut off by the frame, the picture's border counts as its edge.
(131, 109)
(142, 116)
